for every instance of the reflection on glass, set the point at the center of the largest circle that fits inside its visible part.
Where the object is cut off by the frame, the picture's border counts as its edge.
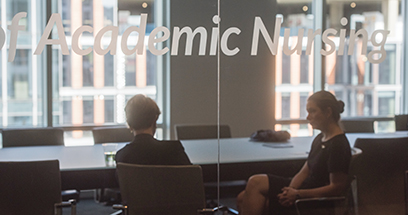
(384, 126)
(294, 73)
(368, 89)
(295, 129)
(97, 85)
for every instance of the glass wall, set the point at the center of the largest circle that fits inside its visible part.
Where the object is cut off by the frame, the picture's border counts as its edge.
(347, 64)
(22, 76)
(92, 82)
(369, 88)
(96, 78)
(92, 78)
(248, 64)
(294, 66)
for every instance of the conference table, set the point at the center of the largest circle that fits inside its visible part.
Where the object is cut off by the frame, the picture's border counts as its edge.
(83, 167)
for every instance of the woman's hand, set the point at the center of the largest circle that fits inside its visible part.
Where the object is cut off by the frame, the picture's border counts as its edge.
(288, 196)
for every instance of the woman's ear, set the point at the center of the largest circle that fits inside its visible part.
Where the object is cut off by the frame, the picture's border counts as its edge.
(329, 112)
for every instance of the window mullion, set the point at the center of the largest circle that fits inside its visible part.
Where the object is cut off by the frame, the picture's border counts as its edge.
(405, 59)
(318, 72)
(49, 71)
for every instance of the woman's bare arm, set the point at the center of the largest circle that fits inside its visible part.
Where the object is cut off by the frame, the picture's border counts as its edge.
(298, 179)
(338, 183)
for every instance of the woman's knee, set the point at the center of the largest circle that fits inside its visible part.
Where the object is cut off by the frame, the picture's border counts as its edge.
(240, 196)
(258, 182)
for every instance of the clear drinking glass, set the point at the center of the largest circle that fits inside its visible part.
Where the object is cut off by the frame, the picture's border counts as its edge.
(109, 150)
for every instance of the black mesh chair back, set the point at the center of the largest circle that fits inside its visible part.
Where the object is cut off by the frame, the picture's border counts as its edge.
(401, 122)
(158, 190)
(380, 175)
(33, 137)
(193, 132)
(30, 187)
(112, 135)
(358, 126)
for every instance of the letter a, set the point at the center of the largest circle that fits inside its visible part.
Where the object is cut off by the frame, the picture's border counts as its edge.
(54, 19)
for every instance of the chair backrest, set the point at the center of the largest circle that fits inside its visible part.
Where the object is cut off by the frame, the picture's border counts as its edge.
(193, 132)
(158, 190)
(406, 192)
(112, 134)
(33, 137)
(339, 205)
(29, 187)
(401, 122)
(358, 126)
(380, 175)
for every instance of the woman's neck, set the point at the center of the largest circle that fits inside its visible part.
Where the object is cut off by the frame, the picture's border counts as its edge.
(143, 131)
(330, 131)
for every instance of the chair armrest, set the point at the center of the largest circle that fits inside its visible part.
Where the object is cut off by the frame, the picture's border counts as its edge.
(123, 209)
(336, 198)
(71, 203)
(206, 211)
(227, 209)
(224, 209)
(314, 203)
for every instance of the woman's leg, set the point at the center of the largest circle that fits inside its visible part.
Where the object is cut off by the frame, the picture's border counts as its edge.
(252, 200)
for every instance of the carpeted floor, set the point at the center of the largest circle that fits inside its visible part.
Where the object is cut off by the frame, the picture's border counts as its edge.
(88, 206)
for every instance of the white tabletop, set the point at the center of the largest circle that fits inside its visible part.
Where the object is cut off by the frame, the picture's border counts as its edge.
(232, 150)
(239, 150)
(77, 157)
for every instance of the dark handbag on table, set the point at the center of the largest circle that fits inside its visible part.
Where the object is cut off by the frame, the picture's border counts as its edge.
(270, 136)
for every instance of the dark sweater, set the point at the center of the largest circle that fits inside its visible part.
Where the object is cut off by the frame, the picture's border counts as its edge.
(146, 150)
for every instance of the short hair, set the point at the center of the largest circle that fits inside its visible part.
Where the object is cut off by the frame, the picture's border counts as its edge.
(141, 112)
(324, 100)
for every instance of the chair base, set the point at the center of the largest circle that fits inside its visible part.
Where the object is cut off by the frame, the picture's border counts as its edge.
(69, 195)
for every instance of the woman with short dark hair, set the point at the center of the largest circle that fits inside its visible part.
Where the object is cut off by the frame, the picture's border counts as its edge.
(141, 115)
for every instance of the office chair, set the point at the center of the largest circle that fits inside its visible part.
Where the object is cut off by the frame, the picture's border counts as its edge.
(195, 132)
(112, 134)
(158, 190)
(406, 192)
(38, 137)
(337, 205)
(33, 137)
(380, 172)
(32, 188)
(358, 126)
(401, 122)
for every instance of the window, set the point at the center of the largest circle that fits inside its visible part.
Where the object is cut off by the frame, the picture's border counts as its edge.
(92, 89)
(98, 84)
(368, 89)
(86, 90)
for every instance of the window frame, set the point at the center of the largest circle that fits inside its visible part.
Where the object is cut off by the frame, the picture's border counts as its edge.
(163, 89)
(319, 7)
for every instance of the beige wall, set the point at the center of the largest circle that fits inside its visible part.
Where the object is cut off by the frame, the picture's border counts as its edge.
(247, 91)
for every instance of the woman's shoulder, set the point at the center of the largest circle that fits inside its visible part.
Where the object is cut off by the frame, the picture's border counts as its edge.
(340, 141)
(171, 143)
(340, 138)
